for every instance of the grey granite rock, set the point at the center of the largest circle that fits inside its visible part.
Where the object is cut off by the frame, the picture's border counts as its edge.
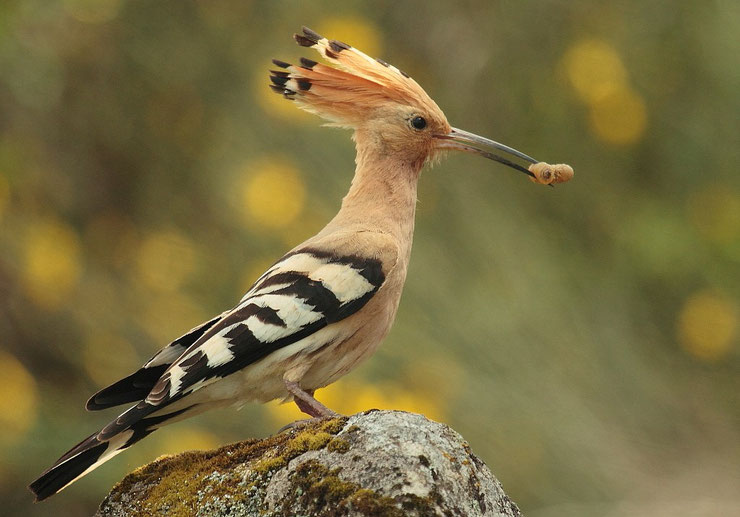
(378, 463)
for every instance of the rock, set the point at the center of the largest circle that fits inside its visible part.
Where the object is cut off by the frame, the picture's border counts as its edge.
(378, 463)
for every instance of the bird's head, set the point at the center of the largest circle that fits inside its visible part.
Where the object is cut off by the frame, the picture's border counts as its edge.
(389, 112)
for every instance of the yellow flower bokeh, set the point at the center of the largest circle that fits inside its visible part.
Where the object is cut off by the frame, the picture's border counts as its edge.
(619, 117)
(165, 259)
(354, 31)
(707, 325)
(186, 438)
(594, 69)
(350, 396)
(51, 262)
(272, 194)
(18, 400)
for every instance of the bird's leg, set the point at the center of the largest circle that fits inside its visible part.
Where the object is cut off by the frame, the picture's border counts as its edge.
(305, 406)
(306, 403)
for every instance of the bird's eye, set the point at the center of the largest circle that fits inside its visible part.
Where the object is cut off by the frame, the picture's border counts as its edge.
(419, 122)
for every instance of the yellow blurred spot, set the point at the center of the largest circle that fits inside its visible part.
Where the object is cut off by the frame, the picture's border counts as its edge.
(596, 72)
(180, 439)
(18, 400)
(715, 213)
(619, 117)
(4, 196)
(354, 31)
(272, 194)
(282, 414)
(350, 397)
(51, 265)
(707, 325)
(165, 259)
(169, 316)
(436, 374)
(92, 11)
(108, 357)
(594, 69)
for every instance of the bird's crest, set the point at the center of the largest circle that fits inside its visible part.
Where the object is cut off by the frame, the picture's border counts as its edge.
(345, 94)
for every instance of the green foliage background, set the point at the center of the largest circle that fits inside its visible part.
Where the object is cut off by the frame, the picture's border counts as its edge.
(584, 339)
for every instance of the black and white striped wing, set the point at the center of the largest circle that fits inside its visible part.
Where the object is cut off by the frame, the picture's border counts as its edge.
(302, 293)
(137, 385)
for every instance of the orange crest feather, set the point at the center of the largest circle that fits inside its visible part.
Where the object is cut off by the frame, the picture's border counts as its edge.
(345, 94)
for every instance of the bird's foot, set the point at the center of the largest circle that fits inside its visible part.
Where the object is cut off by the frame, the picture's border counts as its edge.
(306, 403)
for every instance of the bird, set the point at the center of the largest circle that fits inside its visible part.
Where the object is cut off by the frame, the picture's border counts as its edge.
(326, 305)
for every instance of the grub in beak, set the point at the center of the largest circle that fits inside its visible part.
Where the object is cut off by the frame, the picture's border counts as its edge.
(539, 172)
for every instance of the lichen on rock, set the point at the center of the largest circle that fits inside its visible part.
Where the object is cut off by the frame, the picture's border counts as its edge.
(378, 463)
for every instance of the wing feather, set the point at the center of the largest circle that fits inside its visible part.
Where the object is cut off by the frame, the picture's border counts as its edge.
(302, 293)
(137, 385)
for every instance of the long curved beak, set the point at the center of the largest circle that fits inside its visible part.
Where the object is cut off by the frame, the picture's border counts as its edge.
(460, 140)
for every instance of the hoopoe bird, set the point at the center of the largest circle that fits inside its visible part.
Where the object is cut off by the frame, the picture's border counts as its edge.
(325, 306)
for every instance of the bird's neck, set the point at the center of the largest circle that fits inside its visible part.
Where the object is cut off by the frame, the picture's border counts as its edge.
(382, 197)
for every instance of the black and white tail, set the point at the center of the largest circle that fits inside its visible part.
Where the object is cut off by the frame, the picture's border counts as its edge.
(130, 427)
(92, 452)
(84, 457)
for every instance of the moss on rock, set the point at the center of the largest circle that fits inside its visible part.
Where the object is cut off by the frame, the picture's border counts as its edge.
(338, 445)
(319, 490)
(379, 463)
(180, 485)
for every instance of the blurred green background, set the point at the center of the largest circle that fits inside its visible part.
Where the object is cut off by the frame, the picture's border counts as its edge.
(584, 339)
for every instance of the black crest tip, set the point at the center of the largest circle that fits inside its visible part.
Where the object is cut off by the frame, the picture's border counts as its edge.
(312, 35)
(281, 64)
(308, 63)
(338, 46)
(278, 80)
(304, 41)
